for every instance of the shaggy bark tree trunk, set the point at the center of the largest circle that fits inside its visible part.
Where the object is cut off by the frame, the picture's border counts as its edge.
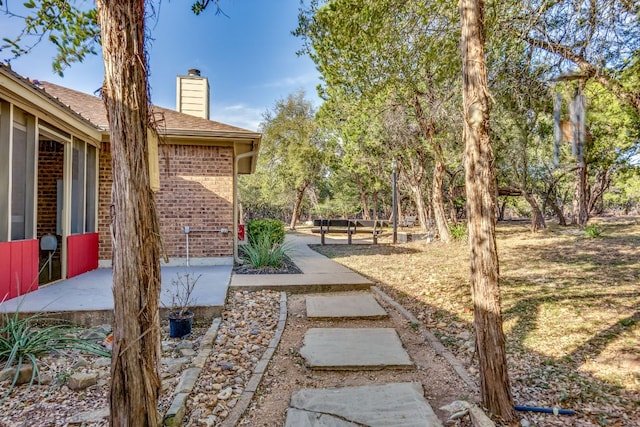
(135, 382)
(481, 204)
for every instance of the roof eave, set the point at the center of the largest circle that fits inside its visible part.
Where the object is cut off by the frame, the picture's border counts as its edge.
(27, 96)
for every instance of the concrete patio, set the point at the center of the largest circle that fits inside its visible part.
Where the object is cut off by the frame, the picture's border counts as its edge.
(87, 299)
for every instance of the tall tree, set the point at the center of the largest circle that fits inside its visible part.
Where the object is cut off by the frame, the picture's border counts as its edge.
(292, 147)
(403, 49)
(136, 261)
(481, 204)
(135, 382)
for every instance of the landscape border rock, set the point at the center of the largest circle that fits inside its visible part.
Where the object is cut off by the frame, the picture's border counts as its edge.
(188, 378)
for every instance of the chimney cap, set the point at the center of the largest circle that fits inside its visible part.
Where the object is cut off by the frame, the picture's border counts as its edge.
(193, 72)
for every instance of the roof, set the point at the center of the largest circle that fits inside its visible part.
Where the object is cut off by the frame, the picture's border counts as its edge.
(171, 122)
(32, 86)
(85, 114)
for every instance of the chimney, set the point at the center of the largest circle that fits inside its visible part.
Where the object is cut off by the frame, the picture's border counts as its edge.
(192, 94)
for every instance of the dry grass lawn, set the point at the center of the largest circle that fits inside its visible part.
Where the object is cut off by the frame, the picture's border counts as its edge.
(571, 307)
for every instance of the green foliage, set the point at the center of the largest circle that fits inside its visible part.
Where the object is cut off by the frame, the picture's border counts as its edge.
(24, 340)
(271, 229)
(72, 30)
(593, 231)
(262, 252)
(458, 231)
(292, 158)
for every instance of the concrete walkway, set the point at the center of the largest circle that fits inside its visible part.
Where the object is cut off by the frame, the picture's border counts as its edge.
(87, 299)
(320, 274)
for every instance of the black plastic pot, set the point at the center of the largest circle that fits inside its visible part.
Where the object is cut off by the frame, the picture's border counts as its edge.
(180, 326)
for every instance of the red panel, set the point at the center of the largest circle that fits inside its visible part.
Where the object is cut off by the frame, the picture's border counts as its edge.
(15, 281)
(5, 270)
(82, 253)
(18, 268)
(30, 264)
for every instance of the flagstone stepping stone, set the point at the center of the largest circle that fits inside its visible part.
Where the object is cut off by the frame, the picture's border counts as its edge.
(354, 348)
(358, 305)
(389, 405)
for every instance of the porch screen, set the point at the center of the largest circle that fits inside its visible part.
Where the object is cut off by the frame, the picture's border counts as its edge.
(22, 177)
(78, 187)
(91, 189)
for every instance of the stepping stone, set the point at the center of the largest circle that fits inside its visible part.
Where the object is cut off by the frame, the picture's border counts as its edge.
(354, 348)
(390, 405)
(354, 305)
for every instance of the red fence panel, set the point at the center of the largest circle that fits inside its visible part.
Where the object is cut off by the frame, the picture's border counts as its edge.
(82, 253)
(18, 268)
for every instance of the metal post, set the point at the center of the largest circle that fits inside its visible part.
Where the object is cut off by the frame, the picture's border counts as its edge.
(394, 167)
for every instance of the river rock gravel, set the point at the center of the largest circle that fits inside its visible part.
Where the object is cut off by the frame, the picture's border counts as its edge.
(248, 323)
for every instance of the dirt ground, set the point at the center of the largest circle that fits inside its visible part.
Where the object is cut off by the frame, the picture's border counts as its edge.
(287, 371)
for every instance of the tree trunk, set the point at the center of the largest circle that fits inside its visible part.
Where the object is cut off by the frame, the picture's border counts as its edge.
(421, 208)
(297, 206)
(557, 210)
(481, 192)
(366, 214)
(374, 198)
(537, 218)
(580, 215)
(135, 382)
(602, 184)
(437, 201)
(501, 207)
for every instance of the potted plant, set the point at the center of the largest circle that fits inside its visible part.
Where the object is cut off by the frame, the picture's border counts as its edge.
(180, 315)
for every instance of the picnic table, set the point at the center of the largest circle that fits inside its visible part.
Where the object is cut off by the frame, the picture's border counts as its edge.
(349, 227)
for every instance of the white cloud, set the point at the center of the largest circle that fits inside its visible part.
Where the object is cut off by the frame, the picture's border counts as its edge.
(292, 81)
(237, 115)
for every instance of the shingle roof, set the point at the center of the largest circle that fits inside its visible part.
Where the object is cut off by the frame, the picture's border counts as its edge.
(92, 108)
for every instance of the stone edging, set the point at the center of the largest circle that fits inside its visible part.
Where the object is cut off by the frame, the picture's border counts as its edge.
(259, 370)
(188, 378)
(439, 348)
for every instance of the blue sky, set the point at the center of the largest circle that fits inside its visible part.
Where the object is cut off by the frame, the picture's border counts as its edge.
(249, 57)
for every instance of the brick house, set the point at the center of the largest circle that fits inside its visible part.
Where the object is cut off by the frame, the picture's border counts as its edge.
(55, 181)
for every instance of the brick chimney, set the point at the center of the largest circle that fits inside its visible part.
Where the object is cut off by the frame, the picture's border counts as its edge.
(192, 94)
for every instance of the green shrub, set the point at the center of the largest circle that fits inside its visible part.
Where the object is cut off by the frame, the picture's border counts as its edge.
(593, 230)
(458, 232)
(23, 340)
(272, 228)
(264, 253)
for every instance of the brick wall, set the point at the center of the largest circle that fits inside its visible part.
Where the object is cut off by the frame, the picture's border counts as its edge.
(196, 189)
(50, 170)
(105, 181)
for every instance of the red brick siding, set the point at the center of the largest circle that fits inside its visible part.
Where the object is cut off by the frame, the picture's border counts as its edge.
(196, 189)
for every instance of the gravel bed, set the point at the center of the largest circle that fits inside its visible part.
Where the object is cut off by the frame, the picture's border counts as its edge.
(248, 324)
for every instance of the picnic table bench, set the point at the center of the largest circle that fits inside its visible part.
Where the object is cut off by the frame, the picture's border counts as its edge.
(350, 227)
